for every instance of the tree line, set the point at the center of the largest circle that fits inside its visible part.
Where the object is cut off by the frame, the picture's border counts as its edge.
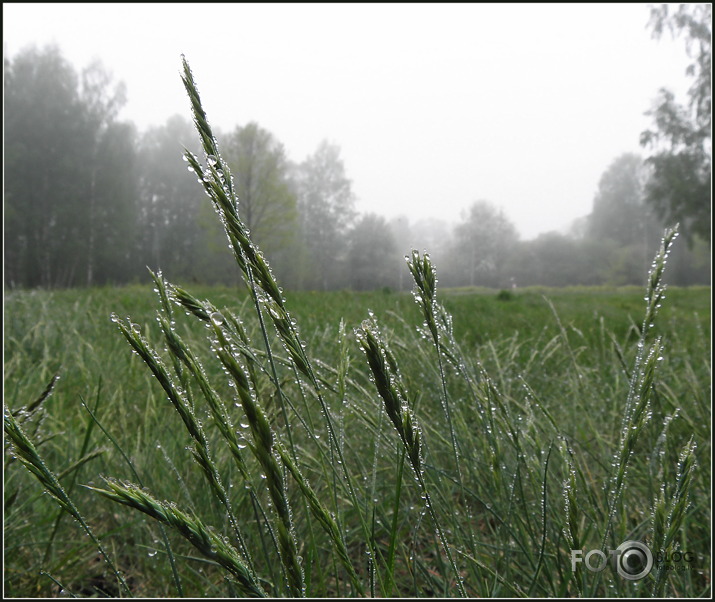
(91, 201)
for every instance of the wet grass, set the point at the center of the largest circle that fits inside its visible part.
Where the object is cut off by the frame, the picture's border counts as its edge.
(517, 341)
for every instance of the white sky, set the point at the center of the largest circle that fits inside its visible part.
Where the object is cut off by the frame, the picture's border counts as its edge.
(433, 105)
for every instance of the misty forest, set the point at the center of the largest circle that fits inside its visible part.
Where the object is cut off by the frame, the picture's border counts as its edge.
(89, 201)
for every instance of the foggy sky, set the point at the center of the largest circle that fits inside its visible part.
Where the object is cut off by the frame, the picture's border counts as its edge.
(434, 106)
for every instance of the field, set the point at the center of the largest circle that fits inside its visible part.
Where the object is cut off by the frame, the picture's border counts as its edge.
(458, 443)
(400, 456)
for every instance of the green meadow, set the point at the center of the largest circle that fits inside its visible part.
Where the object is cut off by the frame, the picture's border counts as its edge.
(535, 416)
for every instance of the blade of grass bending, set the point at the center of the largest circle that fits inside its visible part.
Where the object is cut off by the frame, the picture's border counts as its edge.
(221, 418)
(28, 455)
(68, 592)
(27, 411)
(571, 531)
(200, 451)
(130, 464)
(82, 453)
(211, 545)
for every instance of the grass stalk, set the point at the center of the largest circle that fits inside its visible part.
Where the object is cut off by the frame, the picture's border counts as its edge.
(218, 185)
(636, 414)
(668, 516)
(27, 454)
(179, 400)
(130, 464)
(395, 397)
(211, 545)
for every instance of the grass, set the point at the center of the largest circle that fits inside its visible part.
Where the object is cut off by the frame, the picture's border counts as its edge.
(454, 443)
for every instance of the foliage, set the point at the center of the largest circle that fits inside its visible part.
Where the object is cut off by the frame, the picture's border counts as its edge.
(371, 254)
(46, 328)
(326, 203)
(553, 259)
(619, 211)
(482, 242)
(260, 169)
(681, 140)
(170, 208)
(68, 165)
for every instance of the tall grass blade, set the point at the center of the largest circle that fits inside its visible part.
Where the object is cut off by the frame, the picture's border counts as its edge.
(668, 516)
(636, 414)
(27, 454)
(395, 397)
(211, 545)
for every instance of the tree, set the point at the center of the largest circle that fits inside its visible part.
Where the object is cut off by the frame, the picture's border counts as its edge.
(170, 201)
(680, 185)
(267, 199)
(58, 131)
(620, 213)
(554, 259)
(101, 106)
(113, 208)
(326, 207)
(42, 120)
(624, 222)
(371, 253)
(482, 243)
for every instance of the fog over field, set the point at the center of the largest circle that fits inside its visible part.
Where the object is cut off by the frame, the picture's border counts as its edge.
(434, 106)
(498, 137)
